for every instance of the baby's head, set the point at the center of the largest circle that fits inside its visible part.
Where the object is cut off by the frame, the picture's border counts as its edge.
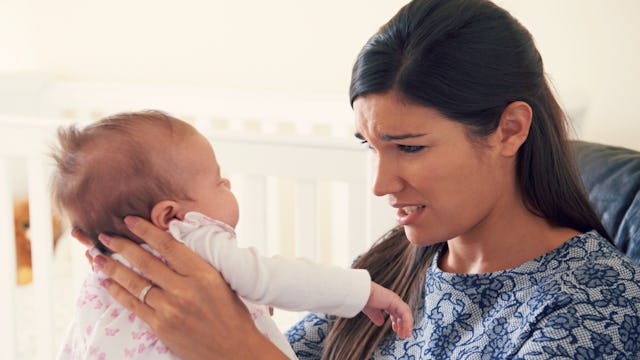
(147, 164)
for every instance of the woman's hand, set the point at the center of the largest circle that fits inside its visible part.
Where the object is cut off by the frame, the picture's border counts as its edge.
(190, 307)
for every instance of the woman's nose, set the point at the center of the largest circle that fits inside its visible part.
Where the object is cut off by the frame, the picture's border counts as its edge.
(387, 180)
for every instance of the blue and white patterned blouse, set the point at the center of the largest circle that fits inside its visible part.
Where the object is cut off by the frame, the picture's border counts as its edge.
(579, 301)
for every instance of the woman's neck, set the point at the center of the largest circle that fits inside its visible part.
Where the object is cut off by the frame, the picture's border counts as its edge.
(503, 241)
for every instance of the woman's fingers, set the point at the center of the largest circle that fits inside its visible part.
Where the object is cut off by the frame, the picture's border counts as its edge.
(82, 238)
(89, 257)
(182, 259)
(132, 303)
(150, 266)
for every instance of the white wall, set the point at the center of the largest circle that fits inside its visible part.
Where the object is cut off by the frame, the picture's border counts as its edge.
(17, 43)
(591, 50)
(278, 44)
(590, 47)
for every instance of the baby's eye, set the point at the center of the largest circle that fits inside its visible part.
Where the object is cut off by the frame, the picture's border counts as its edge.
(410, 148)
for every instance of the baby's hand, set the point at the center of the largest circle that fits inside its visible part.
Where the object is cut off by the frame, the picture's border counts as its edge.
(382, 299)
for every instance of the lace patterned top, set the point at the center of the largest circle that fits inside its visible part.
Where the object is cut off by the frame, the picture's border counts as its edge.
(579, 301)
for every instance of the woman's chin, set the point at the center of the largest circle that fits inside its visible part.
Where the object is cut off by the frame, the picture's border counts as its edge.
(421, 238)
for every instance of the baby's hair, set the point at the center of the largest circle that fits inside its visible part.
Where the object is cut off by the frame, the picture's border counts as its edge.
(120, 165)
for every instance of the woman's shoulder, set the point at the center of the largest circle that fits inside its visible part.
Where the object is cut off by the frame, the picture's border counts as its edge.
(588, 273)
(588, 261)
(585, 272)
(594, 251)
(590, 296)
(587, 248)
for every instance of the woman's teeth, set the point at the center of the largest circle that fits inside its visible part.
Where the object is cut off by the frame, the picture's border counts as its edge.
(411, 209)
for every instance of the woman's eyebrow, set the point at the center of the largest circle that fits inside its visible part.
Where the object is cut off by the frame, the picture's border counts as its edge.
(386, 137)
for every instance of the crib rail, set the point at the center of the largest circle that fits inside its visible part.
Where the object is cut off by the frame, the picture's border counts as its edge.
(249, 112)
(299, 195)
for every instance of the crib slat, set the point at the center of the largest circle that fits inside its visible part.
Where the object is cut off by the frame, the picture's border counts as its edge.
(253, 209)
(273, 215)
(340, 227)
(358, 234)
(306, 233)
(42, 254)
(7, 268)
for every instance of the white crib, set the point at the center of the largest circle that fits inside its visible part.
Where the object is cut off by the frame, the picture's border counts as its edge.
(302, 181)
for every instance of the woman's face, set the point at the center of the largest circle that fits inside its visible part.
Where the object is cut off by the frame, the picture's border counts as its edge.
(442, 185)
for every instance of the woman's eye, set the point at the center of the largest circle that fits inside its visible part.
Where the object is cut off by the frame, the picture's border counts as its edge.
(410, 148)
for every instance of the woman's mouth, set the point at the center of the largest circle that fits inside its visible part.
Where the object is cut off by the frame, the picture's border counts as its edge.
(408, 214)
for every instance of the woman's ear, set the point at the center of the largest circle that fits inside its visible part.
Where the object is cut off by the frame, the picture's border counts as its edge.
(163, 212)
(514, 126)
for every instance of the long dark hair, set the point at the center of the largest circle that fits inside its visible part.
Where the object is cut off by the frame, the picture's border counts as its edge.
(468, 59)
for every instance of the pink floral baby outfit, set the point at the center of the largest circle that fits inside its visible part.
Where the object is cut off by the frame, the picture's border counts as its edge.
(103, 329)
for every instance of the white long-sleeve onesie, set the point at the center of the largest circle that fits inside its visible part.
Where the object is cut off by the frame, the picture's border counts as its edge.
(103, 329)
(287, 283)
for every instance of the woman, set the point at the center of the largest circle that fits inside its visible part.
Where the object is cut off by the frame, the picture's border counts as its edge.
(498, 250)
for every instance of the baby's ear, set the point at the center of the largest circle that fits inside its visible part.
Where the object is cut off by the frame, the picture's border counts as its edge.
(163, 212)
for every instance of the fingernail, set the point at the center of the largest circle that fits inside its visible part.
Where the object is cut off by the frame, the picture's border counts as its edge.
(93, 252)
(130, 221)
(105, 239)
(106, 283)
(99, 261)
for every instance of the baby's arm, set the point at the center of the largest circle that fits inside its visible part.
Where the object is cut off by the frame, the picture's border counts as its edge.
(382, 300)
(296, 284)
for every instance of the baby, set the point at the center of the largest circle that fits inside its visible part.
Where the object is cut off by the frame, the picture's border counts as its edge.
(152, 165)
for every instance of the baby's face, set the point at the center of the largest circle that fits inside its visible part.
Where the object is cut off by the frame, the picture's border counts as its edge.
(210, 193)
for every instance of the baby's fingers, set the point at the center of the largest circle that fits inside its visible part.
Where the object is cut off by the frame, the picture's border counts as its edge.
(401, 327)
(401, 318)
(394, 324)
